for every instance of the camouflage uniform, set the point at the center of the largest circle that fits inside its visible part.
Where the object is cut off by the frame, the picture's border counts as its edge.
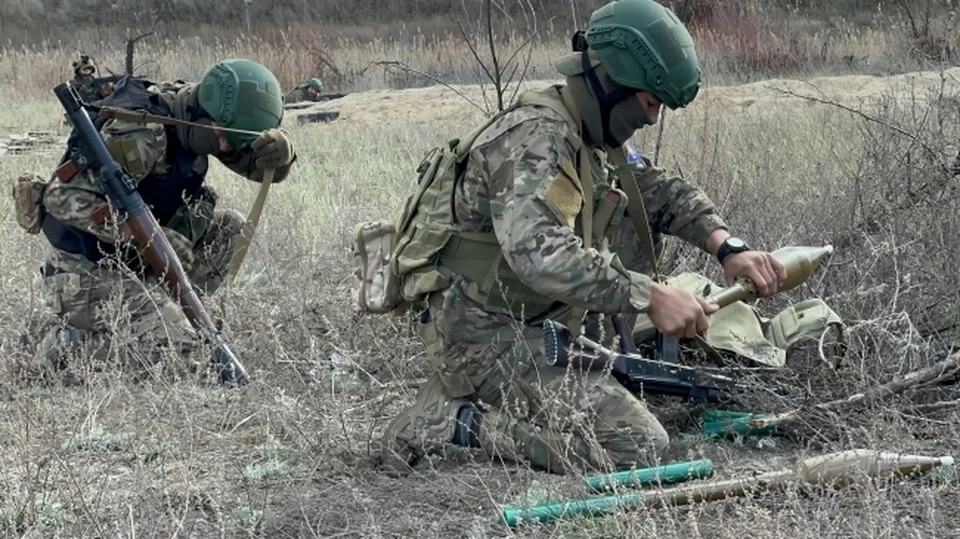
(88, 90)
(519, 186)
(303, 93)
(90, 293)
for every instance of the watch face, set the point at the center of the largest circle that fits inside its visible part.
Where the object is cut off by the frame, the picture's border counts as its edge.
(736, 243)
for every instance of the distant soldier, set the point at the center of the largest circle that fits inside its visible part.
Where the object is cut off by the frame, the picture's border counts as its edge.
(308, 91)
(85, 81)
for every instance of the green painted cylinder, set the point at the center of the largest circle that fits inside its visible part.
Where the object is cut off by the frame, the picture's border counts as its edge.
(667, 474)
(514, 516)
(725, 423)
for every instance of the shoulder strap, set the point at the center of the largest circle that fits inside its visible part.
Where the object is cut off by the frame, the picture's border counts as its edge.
(586, 175)
(586, 183)
(464, 144)
(638, 211)
(560, 106)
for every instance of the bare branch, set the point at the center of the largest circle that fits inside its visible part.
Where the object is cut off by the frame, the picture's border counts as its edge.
(873, 119)
(388, 64)
(475, 53)
(483, 67)
(934, 373)
(493, 55)
(131, 46)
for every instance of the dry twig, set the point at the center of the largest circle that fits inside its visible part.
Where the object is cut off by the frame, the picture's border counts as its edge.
(932, 374)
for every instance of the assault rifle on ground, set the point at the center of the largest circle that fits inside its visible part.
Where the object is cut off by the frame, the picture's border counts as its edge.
(121, 190)
(635, 372)
(112, 79)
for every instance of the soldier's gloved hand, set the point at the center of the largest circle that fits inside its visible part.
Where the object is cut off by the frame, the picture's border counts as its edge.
(678, 313)
(182, 246)
(273, 149)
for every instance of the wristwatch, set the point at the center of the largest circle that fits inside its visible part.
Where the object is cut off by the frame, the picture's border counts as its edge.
(729, 246)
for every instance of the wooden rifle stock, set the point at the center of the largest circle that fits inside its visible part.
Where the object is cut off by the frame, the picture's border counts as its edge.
(164, 260)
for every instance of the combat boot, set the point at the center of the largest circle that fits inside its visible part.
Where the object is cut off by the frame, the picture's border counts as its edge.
(53, 353)
(431, 423)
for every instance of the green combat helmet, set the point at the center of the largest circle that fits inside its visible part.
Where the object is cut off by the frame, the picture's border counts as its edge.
(241, 94)
(316, 85)
(644, 46)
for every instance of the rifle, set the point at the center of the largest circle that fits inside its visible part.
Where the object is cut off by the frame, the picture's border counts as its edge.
(655, 376)
(121, 190)
(113, 79)
(636, 373)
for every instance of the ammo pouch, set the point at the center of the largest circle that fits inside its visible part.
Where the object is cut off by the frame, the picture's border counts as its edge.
(28, 201)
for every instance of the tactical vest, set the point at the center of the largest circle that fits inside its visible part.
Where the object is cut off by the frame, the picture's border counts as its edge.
(163, 193)
(432, 246)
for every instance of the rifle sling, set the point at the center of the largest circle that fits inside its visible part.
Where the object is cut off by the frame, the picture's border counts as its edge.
(250, 227)
(142, 117)
(636, 208)
(666, 348)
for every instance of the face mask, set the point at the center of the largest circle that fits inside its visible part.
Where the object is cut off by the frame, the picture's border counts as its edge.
(624, 112)
(199, 140)
(202, 141)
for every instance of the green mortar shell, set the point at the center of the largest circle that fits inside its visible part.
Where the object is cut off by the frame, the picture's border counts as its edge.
(722, 423)
(669, 473)
(514, 516)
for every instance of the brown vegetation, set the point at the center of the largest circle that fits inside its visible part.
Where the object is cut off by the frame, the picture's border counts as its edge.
(862, 164)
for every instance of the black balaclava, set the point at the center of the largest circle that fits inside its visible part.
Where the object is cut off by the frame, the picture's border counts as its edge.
(611, 112)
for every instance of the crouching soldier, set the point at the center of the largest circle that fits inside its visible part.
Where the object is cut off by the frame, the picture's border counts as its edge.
(97, 282)
(85, 81)
(308, 91)
(537, 215)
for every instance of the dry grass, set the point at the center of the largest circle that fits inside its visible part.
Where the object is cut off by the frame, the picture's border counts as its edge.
(736, 43)
(289, 456)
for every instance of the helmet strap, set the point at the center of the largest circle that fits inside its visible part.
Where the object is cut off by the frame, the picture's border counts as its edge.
(606, 100)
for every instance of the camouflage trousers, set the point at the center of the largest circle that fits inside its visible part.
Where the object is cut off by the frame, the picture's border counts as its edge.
(107, 313)
(557, 420)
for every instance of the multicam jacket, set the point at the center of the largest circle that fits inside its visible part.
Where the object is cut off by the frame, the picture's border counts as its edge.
(168, 173)
(508, 233)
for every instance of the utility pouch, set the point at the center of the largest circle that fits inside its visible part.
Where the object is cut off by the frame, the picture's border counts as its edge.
(376, 289)
(28, 201)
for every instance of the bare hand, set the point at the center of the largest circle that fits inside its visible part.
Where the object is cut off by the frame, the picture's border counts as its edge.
(678, 313)
(766, 272)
